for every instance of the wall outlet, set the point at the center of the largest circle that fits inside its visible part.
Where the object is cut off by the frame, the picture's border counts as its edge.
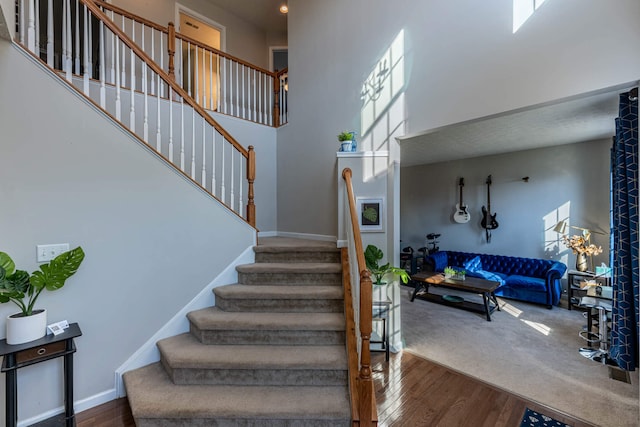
(48, 252)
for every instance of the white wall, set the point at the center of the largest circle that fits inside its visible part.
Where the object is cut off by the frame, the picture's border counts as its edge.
(568, 180)
(461, 62)
(152, 239)
(243, 39)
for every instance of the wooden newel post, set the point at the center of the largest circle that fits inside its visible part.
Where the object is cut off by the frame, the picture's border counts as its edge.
(171, 46)
(251, 176)
(365, 382)
(276, 100)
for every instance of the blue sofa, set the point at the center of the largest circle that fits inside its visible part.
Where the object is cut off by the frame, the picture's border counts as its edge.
(525, 279)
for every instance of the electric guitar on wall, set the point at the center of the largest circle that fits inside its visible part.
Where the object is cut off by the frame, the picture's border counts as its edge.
(461, 215)
(488, 220)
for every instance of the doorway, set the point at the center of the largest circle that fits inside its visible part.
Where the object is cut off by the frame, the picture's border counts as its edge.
(200, 66)
(278, 58)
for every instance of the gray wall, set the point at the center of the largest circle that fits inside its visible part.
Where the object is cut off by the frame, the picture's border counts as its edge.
(462, 61)
(152, 239)
(570, 179)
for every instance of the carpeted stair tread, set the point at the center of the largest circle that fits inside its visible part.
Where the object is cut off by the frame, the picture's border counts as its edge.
(212, 318)
(291, 267)
(185, 351)
(283, 292)
(152, 395)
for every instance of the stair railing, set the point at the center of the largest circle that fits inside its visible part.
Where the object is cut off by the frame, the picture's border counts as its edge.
(79, 42)
(360, 288)
(216, 80)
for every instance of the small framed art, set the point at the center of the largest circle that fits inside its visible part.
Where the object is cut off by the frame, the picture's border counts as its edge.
(371, 213)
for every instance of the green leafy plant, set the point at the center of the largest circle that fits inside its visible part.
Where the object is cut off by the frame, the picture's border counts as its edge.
(345, 136)
(23, 289)
(372, 255)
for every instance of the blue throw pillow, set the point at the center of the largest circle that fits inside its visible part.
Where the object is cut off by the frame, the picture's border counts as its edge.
(474, 264)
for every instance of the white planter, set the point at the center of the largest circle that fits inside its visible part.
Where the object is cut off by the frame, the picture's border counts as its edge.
(380, 292)
(21, 329)
(346, 145)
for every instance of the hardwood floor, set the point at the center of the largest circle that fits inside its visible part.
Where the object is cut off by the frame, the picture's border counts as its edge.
(410, 391)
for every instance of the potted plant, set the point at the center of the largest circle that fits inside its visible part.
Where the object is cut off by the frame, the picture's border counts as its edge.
(23, 290)
(346, 140)
(372, 255)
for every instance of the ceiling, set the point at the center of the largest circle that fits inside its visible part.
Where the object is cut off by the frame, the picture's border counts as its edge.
(583, 118)
(264, 14)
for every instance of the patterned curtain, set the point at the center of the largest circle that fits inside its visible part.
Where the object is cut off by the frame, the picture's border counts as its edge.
(624, 173)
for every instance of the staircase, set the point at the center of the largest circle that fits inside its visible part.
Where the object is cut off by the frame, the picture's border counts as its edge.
(270, 353)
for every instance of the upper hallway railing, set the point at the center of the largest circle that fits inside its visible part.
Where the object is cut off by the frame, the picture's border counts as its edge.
(77, 41)
(359, 289)
(216, 80)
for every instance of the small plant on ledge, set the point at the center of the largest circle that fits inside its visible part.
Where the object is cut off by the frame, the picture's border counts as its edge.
(345, 136)
(372, 255)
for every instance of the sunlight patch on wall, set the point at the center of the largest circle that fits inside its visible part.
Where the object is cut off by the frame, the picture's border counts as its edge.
(522, 10)
(553, 246)
(385, 82)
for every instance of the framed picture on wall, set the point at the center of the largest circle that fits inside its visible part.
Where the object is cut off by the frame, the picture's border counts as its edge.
(371, 213)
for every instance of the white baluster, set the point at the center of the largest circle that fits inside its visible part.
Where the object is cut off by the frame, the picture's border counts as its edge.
(85, 44)
(232, 195)
(241, 187)
(224, 83)
(213, 161)
(244, 107)
(170, 123)
(64, 36)
(218, 88)
(196, 78)
(69, 58)
(189, 69)
(237, 90)
(77, 45)
(50, 48)
(231, 101)
(259, 106)
(144, 74)
(222, 177)
(269, 106)
(21, 22)
(182, 134)
(160, 84)
(36, 29)
(203, 180)
(211, 93)
(153, 56)
(118, 100)
(113, 56)
(193, 144)
(123, 77)
(31, 30)
(132, 78)
(255, 95)
(103, 93)
(158, 131)
(145, 123)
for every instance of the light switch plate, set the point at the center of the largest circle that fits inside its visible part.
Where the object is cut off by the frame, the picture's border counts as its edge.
(48, 252)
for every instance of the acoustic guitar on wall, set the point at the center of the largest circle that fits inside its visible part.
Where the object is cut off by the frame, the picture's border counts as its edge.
(461, 215)
(488, 219)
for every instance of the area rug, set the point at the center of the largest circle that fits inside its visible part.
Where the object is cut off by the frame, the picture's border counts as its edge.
(526, 349)
(532, 418)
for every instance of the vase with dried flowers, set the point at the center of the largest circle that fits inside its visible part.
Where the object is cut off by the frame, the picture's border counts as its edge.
(581, 247)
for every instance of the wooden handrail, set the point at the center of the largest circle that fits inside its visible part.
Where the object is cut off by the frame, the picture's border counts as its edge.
(130, 15)
(365, 397)
(151, 64)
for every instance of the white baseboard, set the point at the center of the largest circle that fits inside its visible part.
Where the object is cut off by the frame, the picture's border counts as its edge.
(78, 406)
(343, 243)
(267, 234)
(148, 353)
(307, 236)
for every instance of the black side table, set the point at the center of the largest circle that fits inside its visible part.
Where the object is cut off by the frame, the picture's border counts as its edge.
(46, 348)
(381, 314)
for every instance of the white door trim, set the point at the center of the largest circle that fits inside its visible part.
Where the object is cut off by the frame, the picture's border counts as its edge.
(208, 21)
